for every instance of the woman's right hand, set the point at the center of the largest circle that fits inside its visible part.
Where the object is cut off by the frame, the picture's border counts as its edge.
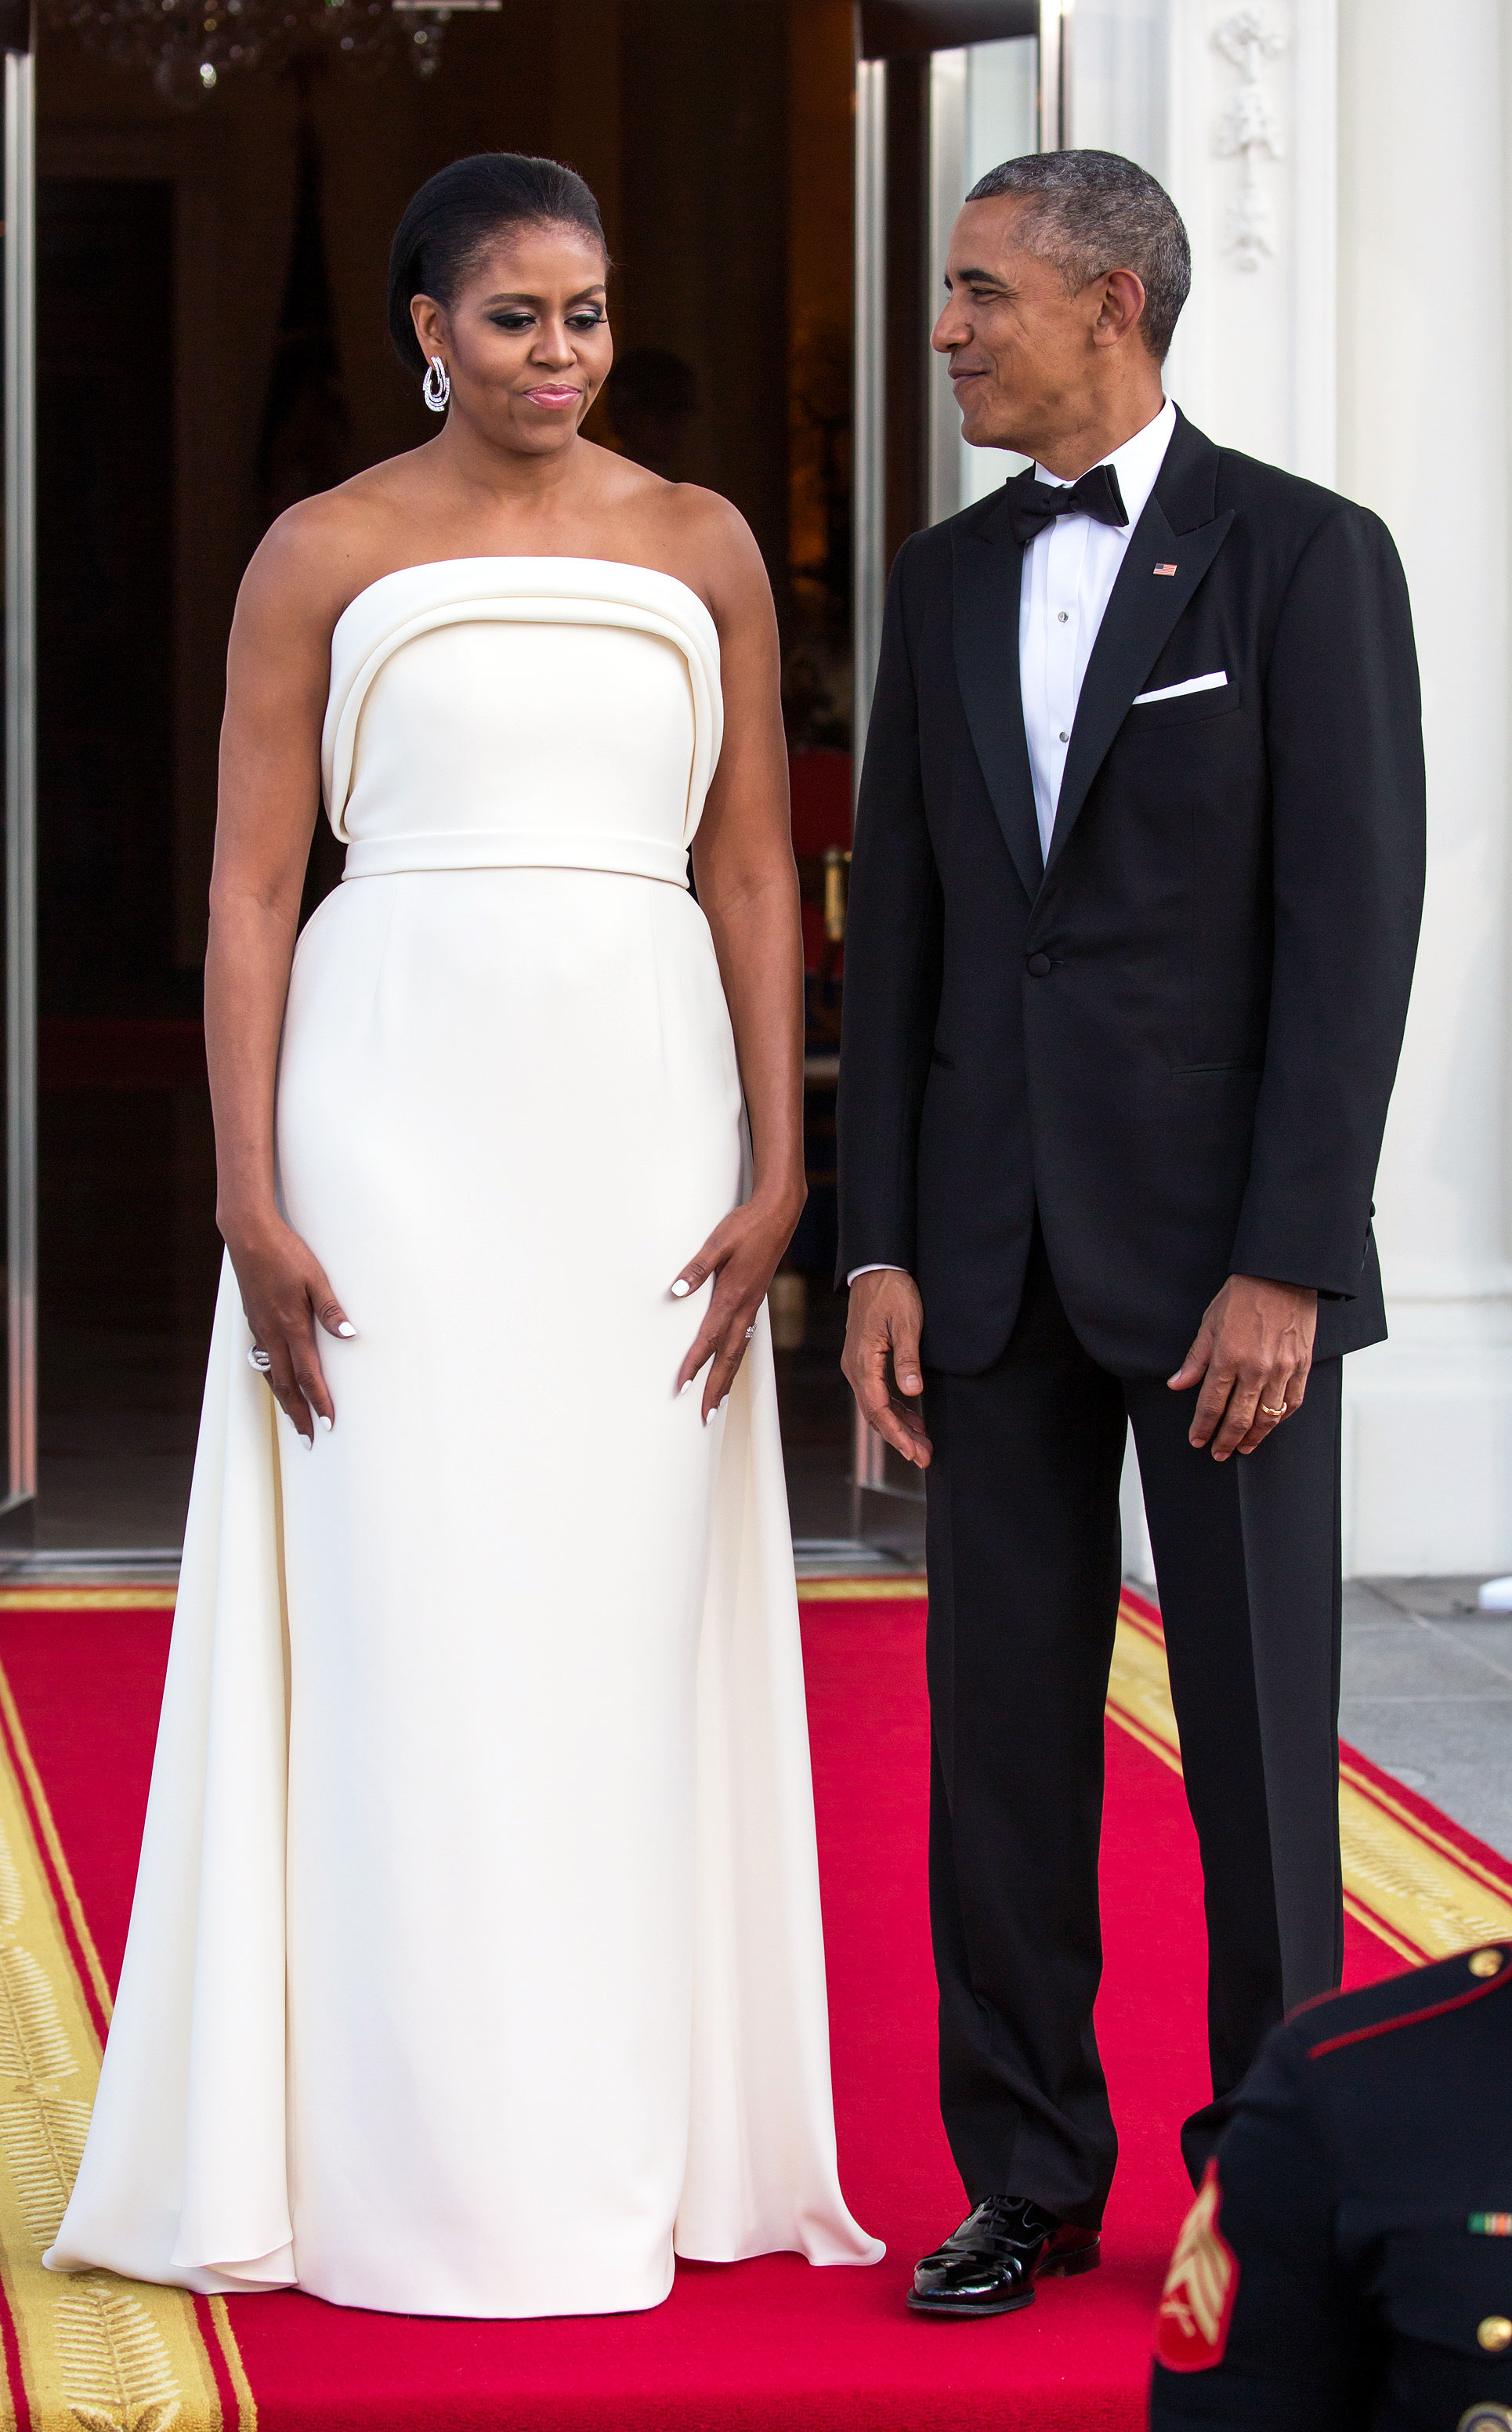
(285, 1293)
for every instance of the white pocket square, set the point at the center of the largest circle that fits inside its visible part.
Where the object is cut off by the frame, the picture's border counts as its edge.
(1193, 683)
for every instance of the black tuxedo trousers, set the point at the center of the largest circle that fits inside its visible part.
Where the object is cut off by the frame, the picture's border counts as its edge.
(1023, 1531)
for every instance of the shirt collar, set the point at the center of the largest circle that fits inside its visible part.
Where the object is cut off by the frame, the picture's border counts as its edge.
(1137, 463)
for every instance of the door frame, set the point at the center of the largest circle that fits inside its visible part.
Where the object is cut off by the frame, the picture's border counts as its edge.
(18, 1504)
(898, 41)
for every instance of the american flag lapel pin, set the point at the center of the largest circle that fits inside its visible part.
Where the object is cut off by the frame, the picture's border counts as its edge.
(1165, 569)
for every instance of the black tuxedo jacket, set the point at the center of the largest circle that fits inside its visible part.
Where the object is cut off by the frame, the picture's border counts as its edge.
(1178, 1035)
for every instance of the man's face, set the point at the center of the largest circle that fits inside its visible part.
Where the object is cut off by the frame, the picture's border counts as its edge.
(1023, 353)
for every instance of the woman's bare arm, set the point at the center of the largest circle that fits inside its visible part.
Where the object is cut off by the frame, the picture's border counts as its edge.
(277, 672)
(748, 887)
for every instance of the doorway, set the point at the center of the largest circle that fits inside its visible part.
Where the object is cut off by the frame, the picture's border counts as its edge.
(126, 1231)
(210, 306)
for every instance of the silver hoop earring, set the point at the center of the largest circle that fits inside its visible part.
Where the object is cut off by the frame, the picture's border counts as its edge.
(436, 386)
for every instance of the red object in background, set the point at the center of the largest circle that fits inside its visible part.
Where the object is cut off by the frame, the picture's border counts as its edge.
(771, 2345)
(819, 782)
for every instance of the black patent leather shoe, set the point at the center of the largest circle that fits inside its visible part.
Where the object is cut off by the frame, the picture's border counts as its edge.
(991, 2263)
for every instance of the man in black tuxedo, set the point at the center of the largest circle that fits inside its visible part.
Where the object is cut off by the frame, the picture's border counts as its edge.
(1134, 907)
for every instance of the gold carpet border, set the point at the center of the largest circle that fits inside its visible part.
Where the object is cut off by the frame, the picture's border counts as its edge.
(61, 1597)
(62, 1873)
(889, 1587)
(98, 2353)
(1405, 1882)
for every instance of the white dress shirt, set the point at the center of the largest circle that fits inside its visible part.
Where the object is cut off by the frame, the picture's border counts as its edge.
(1069, 570)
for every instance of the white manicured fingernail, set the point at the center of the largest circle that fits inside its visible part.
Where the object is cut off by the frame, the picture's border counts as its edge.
(725, 1399)
(347, 1329)
(326, 1423)
(309, 1442)
(681, 1289)
(685, 1389)
(708, 1418)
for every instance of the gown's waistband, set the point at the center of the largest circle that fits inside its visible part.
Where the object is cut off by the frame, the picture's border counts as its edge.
(628, 856)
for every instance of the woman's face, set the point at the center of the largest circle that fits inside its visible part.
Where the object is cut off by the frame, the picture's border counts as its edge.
(526, 340)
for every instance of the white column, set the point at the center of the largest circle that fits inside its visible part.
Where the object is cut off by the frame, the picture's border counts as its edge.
(1234, 109)
(1343, 168)
(1423, 428)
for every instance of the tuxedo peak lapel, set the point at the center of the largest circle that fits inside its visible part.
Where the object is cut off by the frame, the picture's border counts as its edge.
(1161, 569)
(987, 575)
(1186, 485)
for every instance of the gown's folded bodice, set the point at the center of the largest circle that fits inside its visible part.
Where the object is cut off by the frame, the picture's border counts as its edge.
(499, 712)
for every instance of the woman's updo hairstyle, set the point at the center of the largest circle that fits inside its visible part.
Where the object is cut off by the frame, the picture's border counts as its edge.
(463, 209)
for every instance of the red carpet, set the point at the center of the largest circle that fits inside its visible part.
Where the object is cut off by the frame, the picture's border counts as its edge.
(766, 2344)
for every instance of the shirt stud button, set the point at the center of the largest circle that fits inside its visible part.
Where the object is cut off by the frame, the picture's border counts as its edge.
(1065, 737)
(1060, 616)
(1039, 965)
(1494, 2333)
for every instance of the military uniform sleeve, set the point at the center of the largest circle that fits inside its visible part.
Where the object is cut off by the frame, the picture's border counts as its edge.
(1258, 2324)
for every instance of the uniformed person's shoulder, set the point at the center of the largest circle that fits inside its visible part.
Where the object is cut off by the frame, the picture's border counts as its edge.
(1343, 2023)
(1353, 2235)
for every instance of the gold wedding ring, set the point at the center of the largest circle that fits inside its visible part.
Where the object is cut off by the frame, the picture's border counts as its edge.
(1274, 1409)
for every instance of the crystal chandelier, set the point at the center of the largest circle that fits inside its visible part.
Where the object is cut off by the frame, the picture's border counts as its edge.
(188, 45)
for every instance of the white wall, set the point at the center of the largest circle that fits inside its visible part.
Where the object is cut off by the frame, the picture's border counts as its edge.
(1423, 431)
(1344, 182)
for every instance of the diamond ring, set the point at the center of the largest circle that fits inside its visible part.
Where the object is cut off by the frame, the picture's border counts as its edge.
(257, 1358)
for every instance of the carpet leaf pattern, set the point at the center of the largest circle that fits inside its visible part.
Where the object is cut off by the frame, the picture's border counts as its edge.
(13, 1899)
(116, 2372)
(33, 2046)
(42, 2140)
(100, 2355)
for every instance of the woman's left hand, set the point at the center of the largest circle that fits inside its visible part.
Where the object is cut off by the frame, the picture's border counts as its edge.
(741, 1255)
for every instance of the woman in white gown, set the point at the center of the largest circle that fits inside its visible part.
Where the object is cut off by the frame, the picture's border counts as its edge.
(475, 1966)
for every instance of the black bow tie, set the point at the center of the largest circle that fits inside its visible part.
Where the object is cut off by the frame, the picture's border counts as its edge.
(1034, 504)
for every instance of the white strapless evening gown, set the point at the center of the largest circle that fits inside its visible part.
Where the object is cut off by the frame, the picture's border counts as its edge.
(476, 1964)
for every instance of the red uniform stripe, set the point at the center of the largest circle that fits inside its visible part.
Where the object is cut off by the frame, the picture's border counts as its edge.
(1415, 2018)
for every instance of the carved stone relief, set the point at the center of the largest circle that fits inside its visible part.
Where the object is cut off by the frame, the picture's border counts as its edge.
(1250, 130)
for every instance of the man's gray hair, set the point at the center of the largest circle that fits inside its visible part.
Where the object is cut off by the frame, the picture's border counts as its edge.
(1089, 212)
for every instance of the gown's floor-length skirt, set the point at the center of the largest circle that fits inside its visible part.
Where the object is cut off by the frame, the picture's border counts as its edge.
(475, 1957)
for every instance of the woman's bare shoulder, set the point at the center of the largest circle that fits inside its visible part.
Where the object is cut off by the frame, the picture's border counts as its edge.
(705, 540)
(315, 557)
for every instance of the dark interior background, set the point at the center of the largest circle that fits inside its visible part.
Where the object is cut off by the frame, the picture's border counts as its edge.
(211, 344)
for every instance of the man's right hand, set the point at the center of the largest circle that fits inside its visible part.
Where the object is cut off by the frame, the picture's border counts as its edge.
(880, 1360)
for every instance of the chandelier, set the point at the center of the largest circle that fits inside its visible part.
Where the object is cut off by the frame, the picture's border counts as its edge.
(188, 45)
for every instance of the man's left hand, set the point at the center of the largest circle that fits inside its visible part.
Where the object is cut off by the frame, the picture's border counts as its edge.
(1250, 1356)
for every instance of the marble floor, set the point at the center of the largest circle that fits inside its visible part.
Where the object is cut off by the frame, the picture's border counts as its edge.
(1427, 1694)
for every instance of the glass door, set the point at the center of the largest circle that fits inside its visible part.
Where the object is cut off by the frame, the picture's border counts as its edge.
(18, 1473)
(945, 88)
(984, 107)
